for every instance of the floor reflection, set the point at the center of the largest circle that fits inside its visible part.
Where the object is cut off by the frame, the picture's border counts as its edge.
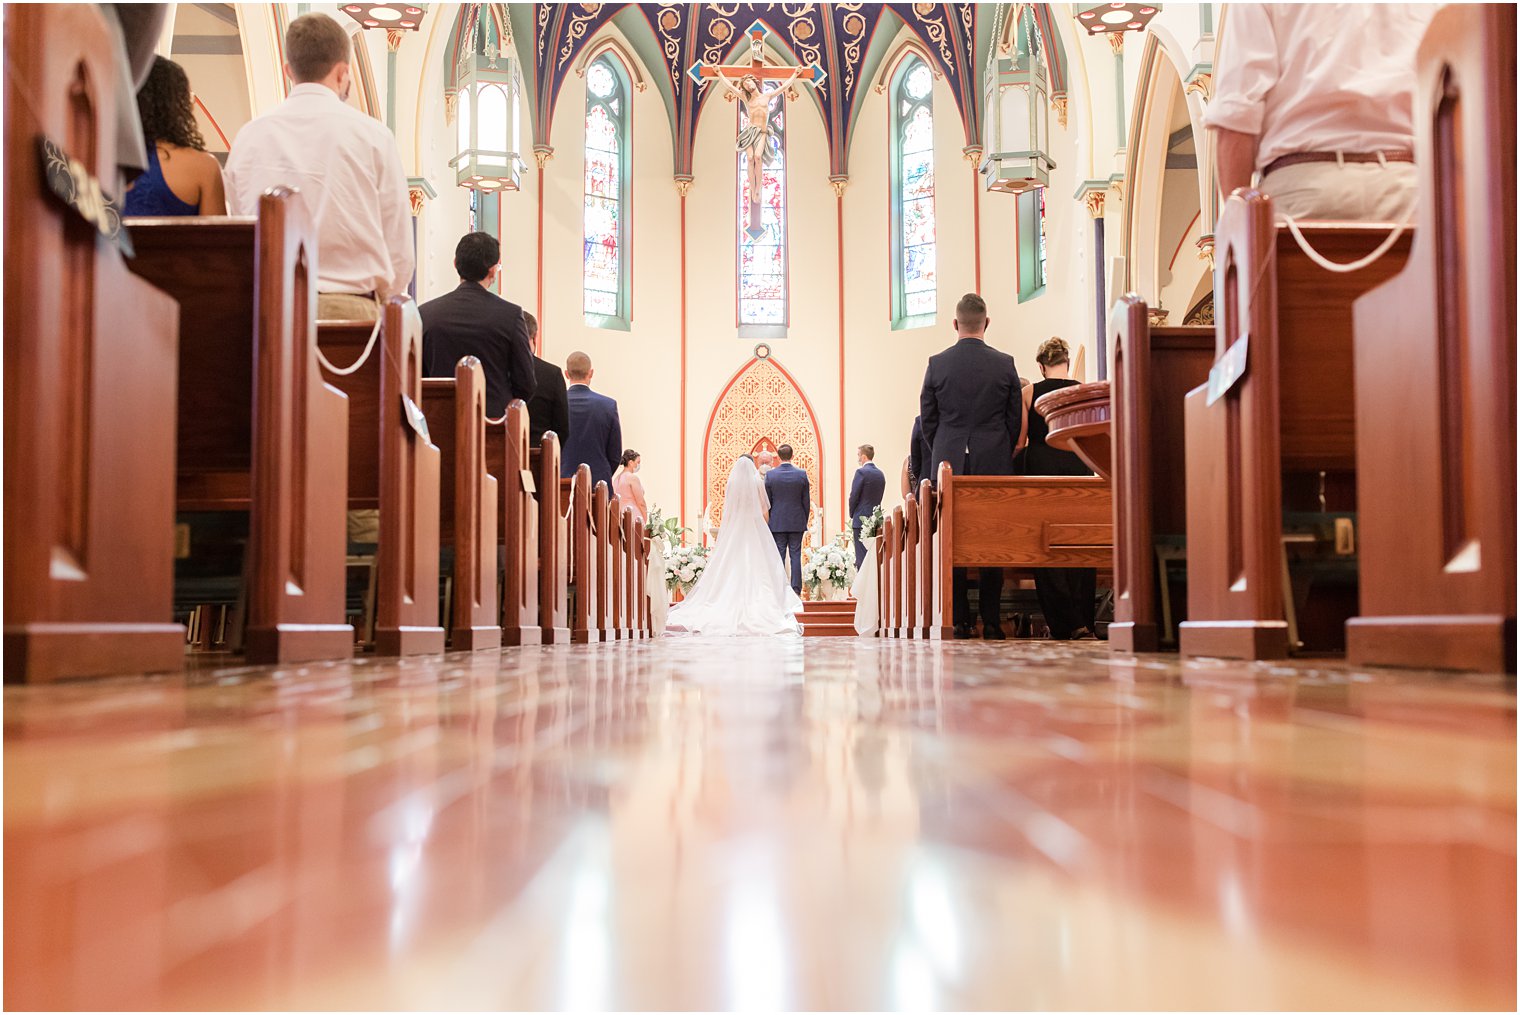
(763, 824)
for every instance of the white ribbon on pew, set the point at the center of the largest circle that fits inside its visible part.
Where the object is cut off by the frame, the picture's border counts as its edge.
(654, 584)
(1359, 263)
(364, 356)
(866, 590)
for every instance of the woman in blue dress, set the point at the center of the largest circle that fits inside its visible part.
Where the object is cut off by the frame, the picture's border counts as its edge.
(182, 178)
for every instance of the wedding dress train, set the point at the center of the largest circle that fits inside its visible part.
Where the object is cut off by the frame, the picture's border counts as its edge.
(744, 588)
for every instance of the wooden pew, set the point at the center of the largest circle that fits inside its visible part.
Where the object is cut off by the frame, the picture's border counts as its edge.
(585, 620)
(1153, 369)
(259, 430)
(900, 553)
(90, 360)
(643, 626)
(1435, 371)
(618, 628)
(886, 562)
(908, 611)
(520, 520)
(1016, 522)
(1287, 322)
(468, 499)
(630, 551)
(393, 466)
(922, 620)
(555, 515)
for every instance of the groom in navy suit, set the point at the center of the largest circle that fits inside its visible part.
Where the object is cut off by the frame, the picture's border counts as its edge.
(866, 492)
(791, 502)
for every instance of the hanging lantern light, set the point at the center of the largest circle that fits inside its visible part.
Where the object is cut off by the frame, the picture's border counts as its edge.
(489, 122)
(1016, 93)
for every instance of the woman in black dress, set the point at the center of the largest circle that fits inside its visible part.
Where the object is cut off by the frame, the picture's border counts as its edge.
(1068, 595)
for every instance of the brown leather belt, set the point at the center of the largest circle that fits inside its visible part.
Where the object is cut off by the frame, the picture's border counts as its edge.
(1298, 158)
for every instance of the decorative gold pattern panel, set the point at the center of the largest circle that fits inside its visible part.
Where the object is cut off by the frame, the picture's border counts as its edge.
(762, 408)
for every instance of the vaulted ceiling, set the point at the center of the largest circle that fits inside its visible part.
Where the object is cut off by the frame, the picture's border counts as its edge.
(848, 40)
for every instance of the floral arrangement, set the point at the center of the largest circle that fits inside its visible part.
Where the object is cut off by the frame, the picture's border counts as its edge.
(833, 564)
(668, 529)
(684, 566)
(874, 523)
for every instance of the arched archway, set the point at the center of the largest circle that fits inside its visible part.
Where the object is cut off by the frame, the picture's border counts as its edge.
(1168, 209)
(761, 407)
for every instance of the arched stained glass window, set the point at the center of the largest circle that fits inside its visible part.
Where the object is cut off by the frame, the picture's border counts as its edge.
(915, 282)
(763, 259)
(605, 254)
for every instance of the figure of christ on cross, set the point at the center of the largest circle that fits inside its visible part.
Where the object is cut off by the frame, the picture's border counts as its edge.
(754, 140)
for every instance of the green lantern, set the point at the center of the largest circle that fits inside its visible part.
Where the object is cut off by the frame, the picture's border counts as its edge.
(489, 121)
(1016, 94)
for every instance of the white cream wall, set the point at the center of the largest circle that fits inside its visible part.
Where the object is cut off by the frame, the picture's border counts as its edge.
(639, 367)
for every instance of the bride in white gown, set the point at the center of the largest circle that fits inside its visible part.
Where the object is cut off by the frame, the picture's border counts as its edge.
(744, 588)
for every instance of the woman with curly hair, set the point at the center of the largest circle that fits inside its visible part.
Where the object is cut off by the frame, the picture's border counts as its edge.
(182, 178)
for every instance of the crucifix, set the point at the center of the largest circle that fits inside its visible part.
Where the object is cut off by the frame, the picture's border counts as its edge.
(755, 139)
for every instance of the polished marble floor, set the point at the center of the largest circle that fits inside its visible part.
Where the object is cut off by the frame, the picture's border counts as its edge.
(763, 824)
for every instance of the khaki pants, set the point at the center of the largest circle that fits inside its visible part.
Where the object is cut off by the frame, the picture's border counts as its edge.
(346, 307)
(1349, 192)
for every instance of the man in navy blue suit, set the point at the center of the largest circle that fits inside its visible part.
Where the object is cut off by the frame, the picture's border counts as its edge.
(596, 433)
(971, 408)
(791, 499)
(866, 492)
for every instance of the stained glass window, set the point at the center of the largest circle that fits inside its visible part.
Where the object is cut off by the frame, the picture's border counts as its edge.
(915, 281)
(605, 253)
(762, 259)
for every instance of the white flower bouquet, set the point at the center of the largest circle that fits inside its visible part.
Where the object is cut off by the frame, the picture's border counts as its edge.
(872, 526)
(684, 566)
(830, 569)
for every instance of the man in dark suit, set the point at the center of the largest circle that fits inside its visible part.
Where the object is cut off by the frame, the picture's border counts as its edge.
(972, 410)
(791, 500)
(548, 409)
(596, 432)
(473, 321)
(917, 455)
(866, 492)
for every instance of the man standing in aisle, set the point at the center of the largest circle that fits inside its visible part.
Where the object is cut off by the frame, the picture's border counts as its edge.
(596, 431)
(346, 167)
(1320, 100)
(866, 492)
(473, 321)
(790, 494)
(549, 408)
(972, 410)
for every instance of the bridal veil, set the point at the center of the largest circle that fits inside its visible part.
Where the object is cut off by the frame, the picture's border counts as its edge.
(744, 589)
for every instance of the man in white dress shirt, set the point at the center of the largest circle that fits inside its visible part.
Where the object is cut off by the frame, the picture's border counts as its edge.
(1319, 98)
(346, 166)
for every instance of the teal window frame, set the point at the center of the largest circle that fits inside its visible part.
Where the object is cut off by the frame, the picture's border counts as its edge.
(1029, 224)
(623, 319)
(901, 319)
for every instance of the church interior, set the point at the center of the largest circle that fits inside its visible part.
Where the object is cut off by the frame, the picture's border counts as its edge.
(255, 760)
